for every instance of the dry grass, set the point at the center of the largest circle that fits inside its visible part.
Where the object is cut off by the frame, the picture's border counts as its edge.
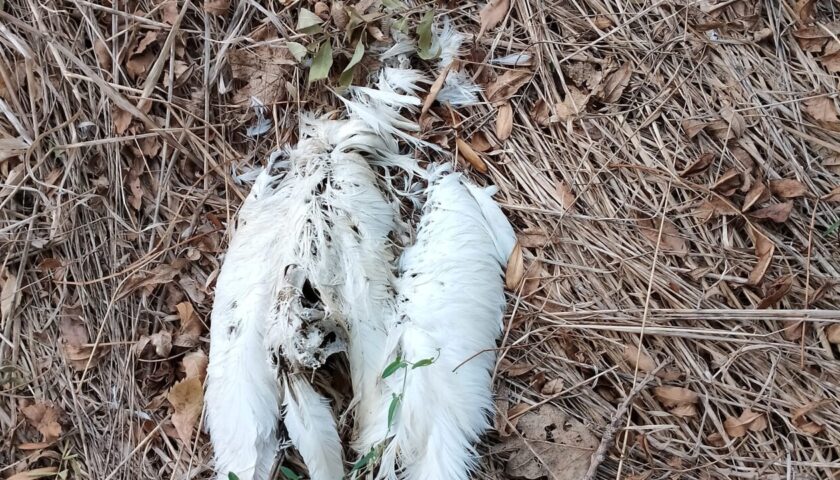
(106, 226)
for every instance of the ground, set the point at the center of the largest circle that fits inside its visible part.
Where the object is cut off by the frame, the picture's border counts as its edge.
(670, 167)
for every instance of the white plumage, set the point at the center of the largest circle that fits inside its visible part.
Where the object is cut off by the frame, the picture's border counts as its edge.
(310, 272)
(451, 301)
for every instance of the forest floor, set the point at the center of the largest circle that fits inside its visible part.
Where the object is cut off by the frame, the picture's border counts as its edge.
(671, 167)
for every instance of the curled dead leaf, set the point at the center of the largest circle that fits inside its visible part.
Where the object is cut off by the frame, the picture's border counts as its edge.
(187, 399)
(480, 143)
(507, 84)
(217, 8)
(728, 182)
(674, 396)
(645, 362)
(778, 212)
(671, 240)
(515, 270)
(832, 333)
(195, 365)
(491, 14)
(788, 188)
(699, 165)
(684, 411)
(504, 121)
(776, 292)
(692, 127)
(470, 155)
(759, 193)
(764, 249)
(748, 421)
(44, 417)
(833, 196)
(615, 84)
(823, 110)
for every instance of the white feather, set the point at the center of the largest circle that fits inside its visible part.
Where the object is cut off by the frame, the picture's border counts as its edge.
(451, 301)
(458, 88)
(311, 427)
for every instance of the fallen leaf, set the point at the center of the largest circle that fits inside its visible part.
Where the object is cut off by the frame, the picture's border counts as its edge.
(515, 270)
(804, 10)
(518, 369)
(122, 120)
(573, 105)
(480, 143)
(162, 342)
(831, 59)
(103, 54)
(549, 442)
(44, 417)
(645, 362)
(728, 182)
(74, 338)
(716, 440)
(833, 196)
(541, 113)
(552, 387)
(684, 411)
(187, 398)
(692, 127)
(504, 121)
(42, 472)
(759, 193)
(776, 292)
(833, 333)
(778, 212)
(195, 365)
(671, 240)
(169, 11)
(533, 278)
(615, 83)
(468, 154)
(491, 14)
(699, 165)
(788, 188)
(435, 89)
(321, 62)
(799, 416)
(564, 195)
(716, 207)
(218, 8)
(674, 396)
(738, 427)
(822, 110)
(507, 84)
(9, 294)
(764, 249)
(190, 323)
(135, 197)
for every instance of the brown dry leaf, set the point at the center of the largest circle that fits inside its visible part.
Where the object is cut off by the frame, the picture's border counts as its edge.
(549, 442)
(692, 127)
(187, 398)
(504, 121)
(74, 339)
(716, 207)
(675, 396)
(800, 420)
(831, 59)
(573, 105)
(804, 10)
(716, 440)
(218, 8)
(169, 11)
(190, 323)
(541, 114)
(778, 212)
(749, 420)
(533, 240)
(518, 369)
(263, 70)
(699, 165)
(44, 417)
(162, 342)
(833, 196)
(764, 249)
(507, 84)
(135, 197)
(103, 54)
(480, 143)
(552, 387)
(759, 193)
(533, 278)
(671, 241)
(564, 195)
(434, 90)
(776, 292)
(646, 362)
(195, 365)
(615, 83)
(470, 155)
(728, 183)
(822, 110)
(9, 294)
(833, 333)
(684, 411)
(42, 472)
(122, 120)
(492, 13)
(515, 270)
(788, 188)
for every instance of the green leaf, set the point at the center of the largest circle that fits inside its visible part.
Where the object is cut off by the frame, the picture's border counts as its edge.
(401, 25)
(833, 228)
(393, 4)
(232, 476)
(308, 22)
(393, 367)
(423, 363)
(289, 474)
(297, 50)
(362, 462)
(424, 37)
(347, 75)
(321, 62)
(392, 409)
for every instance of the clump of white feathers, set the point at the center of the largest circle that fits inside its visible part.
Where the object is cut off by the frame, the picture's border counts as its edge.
(317, 267)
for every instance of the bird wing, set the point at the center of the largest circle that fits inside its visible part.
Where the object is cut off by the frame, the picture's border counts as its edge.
(451, 301)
